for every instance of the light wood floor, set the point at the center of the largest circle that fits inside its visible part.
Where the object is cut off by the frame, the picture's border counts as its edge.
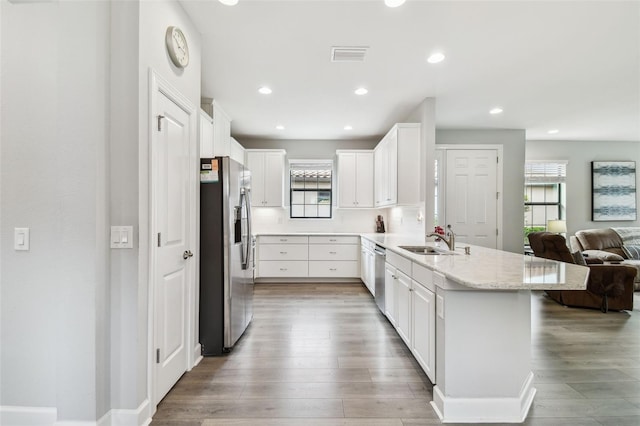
(323, 355)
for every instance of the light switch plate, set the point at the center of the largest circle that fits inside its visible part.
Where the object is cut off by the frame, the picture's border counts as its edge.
(21, 239)
(121, 237)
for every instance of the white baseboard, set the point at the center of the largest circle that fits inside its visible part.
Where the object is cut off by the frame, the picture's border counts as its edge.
(484, 410)
(141, 416)
(47, 416)
(27, 416)
(197, 351)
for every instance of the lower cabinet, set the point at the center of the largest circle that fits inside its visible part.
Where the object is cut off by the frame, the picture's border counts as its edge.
(367, 265)
(410, 307)
(308, 256)
(389, 285)
(402, 297)
(423, 328)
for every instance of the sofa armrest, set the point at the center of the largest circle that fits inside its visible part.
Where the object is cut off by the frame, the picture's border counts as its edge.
(593, 261)
(610, 280)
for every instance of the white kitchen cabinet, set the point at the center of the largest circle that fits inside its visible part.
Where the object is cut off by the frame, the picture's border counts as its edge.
(397, 166)
(267, 177)
(304, 256)
(389, 284)
(221, 141)
(355, 178)
(283, 256)
(367, 265)
(333, 256)
(237, 151)
(206, 135)
(402, 298)
(423, 328)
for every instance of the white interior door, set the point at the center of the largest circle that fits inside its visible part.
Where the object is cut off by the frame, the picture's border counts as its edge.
(173, 271)
(471, 200)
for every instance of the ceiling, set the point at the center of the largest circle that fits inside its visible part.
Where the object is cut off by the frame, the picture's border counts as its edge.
(568, 65)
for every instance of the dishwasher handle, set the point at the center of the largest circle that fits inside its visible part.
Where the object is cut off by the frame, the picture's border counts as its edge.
(380, 251)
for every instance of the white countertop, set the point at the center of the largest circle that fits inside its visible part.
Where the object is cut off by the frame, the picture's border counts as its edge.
(490, 269)
(484, 268)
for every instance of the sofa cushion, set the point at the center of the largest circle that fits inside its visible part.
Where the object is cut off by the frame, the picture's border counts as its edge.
(632, 251)
(599, 239)
(603, 255)
(629, 235)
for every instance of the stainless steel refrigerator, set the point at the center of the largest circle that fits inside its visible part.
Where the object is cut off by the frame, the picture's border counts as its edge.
(226, 254)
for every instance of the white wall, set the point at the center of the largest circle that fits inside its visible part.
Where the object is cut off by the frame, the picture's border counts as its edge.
(579, 156)
(513, 142)
(74, 160)
(55, 181)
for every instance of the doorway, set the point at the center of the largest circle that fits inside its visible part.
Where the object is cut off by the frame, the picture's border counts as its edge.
(470, 184)
(172, 217)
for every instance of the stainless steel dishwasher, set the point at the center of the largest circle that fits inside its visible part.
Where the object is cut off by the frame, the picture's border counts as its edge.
(381, 257)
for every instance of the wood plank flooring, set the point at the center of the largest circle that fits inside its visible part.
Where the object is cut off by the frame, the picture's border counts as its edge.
(323, 355)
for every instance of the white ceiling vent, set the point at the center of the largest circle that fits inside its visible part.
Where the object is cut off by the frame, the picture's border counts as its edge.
(348, 53)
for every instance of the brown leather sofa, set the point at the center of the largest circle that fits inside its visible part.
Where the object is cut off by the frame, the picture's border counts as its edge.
(609, 286)
(604, 244)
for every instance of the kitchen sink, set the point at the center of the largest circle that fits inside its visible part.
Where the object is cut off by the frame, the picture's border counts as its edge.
(426, 250)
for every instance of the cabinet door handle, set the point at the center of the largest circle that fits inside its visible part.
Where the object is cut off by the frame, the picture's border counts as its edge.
(283, 239)
(283, 269)
(332, 239)
(332, 252)
(333, 269)
(283, 252)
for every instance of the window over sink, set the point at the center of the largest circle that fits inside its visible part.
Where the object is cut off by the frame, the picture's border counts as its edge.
(311, 189)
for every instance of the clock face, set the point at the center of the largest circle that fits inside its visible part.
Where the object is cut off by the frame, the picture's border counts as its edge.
(177, 47)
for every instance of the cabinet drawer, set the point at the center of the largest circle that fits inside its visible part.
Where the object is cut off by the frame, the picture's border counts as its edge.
(333, 252)
(282, 252)
(334, 239)
(283, 239)
(423, 276)
(275, 268)
(339, 269)
(399, 262)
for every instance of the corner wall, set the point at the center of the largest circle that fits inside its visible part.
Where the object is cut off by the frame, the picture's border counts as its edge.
(579, 156)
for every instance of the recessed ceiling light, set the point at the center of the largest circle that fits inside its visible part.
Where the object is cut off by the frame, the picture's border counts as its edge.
(347, 127)
(265, 90)
(361, 91)
(434, 58)
(394, 3)
(280, 127)
(553, 131)
(229, 2)
(496, 110)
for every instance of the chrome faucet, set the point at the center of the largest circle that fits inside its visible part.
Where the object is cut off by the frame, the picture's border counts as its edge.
(450, 242)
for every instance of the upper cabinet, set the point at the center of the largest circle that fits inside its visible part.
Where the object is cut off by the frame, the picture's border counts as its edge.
(397, 166)
(237, 151)
(267, 168)
(219, 145)
(355, 178)
(206, 135)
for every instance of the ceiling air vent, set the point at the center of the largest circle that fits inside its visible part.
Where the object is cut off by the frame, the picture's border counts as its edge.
(348, 53)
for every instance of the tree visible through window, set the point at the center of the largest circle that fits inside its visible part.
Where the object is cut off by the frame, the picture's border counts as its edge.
(544, 194)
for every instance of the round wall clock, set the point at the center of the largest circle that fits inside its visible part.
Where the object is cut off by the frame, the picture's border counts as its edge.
(177, 47)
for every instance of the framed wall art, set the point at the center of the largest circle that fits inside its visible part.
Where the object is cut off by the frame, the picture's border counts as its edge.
(613, 190)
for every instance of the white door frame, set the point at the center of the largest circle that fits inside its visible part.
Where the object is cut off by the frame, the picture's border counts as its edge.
(441, 154)
(157, 85)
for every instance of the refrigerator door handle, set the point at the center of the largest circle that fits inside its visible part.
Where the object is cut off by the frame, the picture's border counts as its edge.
(246, 239)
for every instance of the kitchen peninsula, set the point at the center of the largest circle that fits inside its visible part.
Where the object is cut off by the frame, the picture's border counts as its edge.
(482, 325)
(465, 318)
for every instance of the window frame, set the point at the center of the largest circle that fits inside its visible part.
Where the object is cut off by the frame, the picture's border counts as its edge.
(311, 165)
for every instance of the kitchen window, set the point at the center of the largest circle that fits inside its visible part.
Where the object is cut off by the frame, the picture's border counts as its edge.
(544, 194)
(311, 189)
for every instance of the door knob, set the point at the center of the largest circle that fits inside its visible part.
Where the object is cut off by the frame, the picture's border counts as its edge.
(187, 254)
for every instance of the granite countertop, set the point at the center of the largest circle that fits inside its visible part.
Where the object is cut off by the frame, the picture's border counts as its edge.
(490, 269)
